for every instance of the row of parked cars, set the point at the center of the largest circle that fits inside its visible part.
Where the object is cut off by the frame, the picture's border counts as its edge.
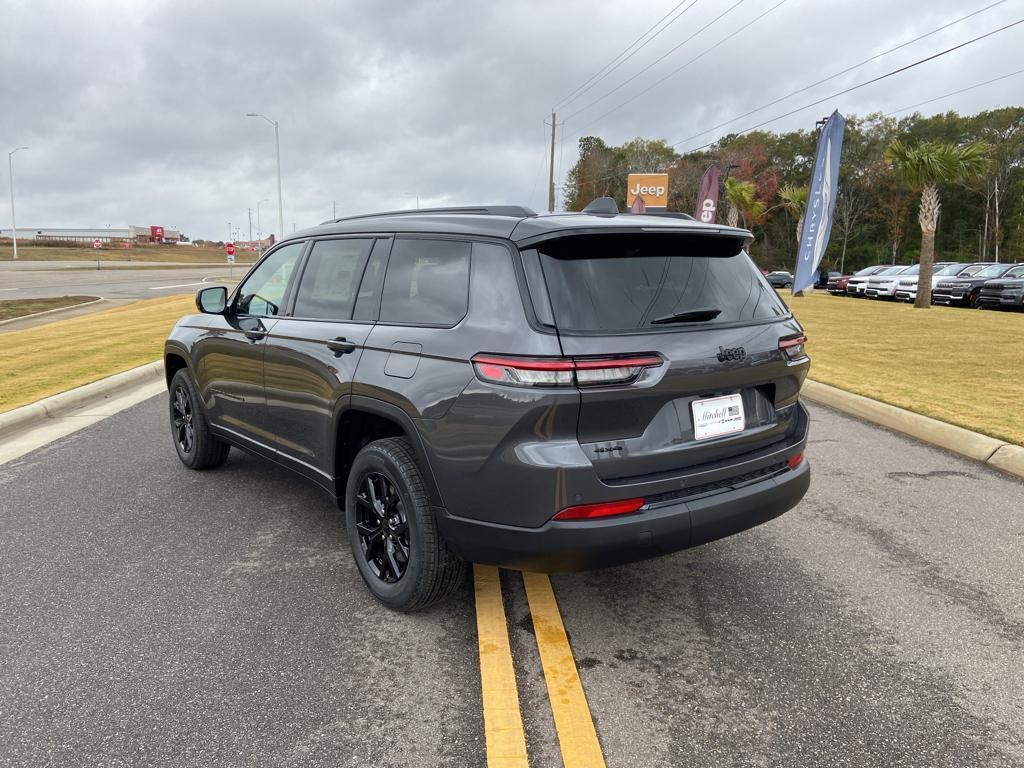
(983, 284)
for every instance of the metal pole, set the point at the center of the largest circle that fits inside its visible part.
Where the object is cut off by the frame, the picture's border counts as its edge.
(14, 223)
(551, 168)
(280, 203)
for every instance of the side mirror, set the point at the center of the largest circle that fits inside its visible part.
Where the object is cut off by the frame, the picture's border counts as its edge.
(212, 301)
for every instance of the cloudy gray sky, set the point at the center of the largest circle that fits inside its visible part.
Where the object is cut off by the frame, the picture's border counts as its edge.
(135, 111)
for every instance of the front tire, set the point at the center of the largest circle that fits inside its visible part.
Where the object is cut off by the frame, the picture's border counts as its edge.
(196, 446)
(391, 528)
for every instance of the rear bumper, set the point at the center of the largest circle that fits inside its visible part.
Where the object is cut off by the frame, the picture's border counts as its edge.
(654, 530)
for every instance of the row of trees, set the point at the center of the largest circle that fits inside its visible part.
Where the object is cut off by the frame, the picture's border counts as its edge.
(893, 173)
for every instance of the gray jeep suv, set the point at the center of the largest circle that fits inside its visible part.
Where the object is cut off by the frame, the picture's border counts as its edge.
(550, 393)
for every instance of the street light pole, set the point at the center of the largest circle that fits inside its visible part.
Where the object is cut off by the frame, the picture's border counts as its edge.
(10, 172)
(277, 147)
(259, 229)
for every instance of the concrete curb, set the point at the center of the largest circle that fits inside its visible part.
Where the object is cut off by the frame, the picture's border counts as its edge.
(988, 450)
(41, 411)
(51, 311)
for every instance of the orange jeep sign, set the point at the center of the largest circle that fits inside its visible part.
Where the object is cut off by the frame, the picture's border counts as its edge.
(652, 187)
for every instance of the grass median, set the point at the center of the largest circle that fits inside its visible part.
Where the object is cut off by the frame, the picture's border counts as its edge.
(961, 366)
(15, 308)
(59, 356)
(170, 253)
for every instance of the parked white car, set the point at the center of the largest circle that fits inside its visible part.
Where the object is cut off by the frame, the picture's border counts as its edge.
(883, 285)
(856, 284)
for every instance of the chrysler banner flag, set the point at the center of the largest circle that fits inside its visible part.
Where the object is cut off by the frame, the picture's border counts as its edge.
(707, 198)
(821, 202)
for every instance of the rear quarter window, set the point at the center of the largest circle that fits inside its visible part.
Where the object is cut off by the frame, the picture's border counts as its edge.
(625, 282)
(427, 283)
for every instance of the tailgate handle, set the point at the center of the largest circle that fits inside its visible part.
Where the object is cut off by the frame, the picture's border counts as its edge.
(340, 346)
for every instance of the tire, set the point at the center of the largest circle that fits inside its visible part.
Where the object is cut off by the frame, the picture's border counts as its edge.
(975, 300)
(196, 446)
(388, 517)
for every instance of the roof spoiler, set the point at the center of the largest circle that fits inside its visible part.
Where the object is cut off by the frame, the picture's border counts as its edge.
(606, 206)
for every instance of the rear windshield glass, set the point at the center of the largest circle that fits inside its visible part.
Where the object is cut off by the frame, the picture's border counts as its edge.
(629, 282)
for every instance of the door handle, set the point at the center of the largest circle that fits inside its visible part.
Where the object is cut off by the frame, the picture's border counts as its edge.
(340, 346)
(255, 335)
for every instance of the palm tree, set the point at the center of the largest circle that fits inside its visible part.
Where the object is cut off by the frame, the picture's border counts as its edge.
(923, 168)
(794, 200)
(742, 202)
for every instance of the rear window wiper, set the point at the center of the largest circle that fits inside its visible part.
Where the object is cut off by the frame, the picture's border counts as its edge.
(690, 316)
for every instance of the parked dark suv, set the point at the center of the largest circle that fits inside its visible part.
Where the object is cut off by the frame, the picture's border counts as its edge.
(551, 393)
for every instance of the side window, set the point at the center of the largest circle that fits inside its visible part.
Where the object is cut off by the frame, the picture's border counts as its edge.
(328, 285)
(427, 283)
(262, 294)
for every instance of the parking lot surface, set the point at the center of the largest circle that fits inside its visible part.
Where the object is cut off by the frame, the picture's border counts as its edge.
(156, 616)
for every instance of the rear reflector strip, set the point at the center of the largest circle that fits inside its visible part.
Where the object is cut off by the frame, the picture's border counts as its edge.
(601, 509)
(561, 372)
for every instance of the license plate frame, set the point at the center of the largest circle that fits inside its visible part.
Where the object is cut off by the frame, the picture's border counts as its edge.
(718, 416)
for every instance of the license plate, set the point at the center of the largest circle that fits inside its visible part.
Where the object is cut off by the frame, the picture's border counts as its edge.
(718, 416)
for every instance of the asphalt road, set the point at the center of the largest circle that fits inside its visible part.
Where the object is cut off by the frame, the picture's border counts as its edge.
(115, 280)
(154, 616)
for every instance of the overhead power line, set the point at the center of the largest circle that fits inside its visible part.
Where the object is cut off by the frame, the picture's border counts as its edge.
(679, 69)
(658, 60)
(615, 63)
(841, 72)
(954, 93)
(854, 88)
(865, 83)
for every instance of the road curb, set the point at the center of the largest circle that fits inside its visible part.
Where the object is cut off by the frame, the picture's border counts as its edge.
(996, 453)
(39, 412)
(51, 311)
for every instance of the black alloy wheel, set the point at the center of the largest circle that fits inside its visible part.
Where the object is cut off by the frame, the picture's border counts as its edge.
(382, 527)
(185, 432)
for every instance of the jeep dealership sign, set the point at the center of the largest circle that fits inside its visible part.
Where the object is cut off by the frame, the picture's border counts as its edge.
(652, 187)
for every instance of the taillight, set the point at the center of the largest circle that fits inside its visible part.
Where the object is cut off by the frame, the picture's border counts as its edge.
(601, 509)
(794, 461)
(561, 371)
(793, 346)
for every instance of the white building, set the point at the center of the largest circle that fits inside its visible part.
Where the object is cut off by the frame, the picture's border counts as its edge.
(87, 235)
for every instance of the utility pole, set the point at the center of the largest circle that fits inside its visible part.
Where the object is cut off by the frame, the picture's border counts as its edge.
(250, 226)
(551, 168)
(14, 223)
(334, 209)
(997, 218)
(230, 230)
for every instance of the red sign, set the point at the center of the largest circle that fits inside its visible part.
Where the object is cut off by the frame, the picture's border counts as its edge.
(230, 249)
(156, 233)
(97, 243)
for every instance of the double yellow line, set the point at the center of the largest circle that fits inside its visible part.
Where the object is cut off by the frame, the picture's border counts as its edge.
(503, 723)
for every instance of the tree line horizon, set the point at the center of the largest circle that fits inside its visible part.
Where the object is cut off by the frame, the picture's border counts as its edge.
(962, 177)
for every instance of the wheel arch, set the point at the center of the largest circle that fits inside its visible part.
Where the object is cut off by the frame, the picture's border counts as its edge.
(174, 361)
(367, 419)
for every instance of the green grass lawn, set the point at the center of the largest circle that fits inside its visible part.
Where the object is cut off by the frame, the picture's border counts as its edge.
(177, 253)
(21, 307)
(42, 361)
(961, 366)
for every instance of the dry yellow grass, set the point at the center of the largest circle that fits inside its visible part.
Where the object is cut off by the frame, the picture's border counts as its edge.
(961, 366)
(58, 356)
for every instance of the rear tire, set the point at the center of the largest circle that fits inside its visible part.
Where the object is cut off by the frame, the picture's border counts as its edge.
(392, 531)
(196, 446)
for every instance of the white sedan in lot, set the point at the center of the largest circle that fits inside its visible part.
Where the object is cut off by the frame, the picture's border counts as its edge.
(883, 284)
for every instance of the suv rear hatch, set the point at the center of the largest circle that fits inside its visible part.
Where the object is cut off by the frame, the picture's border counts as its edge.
(696, 302)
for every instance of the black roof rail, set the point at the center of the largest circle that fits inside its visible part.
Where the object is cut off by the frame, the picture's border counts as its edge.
(668, 214)
(516, 211)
